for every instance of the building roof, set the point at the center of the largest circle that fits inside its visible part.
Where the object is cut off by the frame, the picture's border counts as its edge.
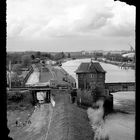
(90, 67)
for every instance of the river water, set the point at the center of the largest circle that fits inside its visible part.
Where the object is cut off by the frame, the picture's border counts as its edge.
(121, 124)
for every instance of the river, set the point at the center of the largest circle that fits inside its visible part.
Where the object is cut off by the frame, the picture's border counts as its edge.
(119, 125)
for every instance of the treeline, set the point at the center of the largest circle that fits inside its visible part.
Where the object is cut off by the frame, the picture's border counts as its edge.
(117, 57)
(26, 58)
(112, 57)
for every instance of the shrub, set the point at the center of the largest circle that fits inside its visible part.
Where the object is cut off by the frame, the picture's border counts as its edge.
(19, 100)
(84, 97)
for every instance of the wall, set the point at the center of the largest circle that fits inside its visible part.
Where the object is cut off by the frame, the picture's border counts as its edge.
(115, 87)
(90, 80)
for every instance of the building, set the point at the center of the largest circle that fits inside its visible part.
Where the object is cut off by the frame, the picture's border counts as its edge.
(91, 75)
(83, 52)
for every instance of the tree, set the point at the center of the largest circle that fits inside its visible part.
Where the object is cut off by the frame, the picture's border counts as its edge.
(48, 55)
(63, 55)
(26, 60)
(14, 58)
(69, 56)
(38, 54)
(16, 68)
(32, 57)
(59, 56)
(16, 80)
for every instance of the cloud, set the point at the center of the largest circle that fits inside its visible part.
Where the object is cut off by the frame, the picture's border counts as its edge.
(123, 21)
(53, 18)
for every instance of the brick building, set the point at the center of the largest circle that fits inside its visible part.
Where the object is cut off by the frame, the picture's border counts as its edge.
(91, 75)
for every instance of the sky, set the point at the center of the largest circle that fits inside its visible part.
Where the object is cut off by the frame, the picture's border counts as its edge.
(69, 25)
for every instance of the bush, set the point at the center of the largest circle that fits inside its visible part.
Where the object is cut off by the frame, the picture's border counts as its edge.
(88, 97)
(84, 97)
(26, 60)
(17, 68)
(19, 100)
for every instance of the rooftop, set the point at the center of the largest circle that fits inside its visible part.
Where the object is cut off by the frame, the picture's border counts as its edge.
(90, 67)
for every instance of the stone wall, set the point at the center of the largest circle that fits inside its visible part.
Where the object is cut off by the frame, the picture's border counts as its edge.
(125, 86)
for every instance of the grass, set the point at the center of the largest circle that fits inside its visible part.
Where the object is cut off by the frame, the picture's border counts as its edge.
(84, 98)
(19, 105)
(19, 100)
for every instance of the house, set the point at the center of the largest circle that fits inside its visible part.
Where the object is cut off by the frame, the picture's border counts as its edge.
(91, 75)
(83, 52)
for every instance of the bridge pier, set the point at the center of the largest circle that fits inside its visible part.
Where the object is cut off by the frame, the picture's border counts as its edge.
(35, 99)
(108, 104)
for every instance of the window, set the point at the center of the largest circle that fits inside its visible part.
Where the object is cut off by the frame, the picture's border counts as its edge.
(92, 76)
(100, 76)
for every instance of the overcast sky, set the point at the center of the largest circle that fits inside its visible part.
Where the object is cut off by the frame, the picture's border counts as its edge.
(69, 25)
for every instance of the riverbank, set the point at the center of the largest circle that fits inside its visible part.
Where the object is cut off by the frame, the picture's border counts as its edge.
(120, 64)
(117, 63)
(118, 125)
(121, 123)
(113, 72)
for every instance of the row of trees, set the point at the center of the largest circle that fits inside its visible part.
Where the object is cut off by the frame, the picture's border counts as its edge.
(117, 57)
(112, 57)
(19, 60)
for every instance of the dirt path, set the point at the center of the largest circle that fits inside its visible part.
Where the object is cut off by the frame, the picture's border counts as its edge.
(39, 125)
(69, 122)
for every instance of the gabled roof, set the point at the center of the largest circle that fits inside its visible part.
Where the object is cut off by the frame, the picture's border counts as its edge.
(91, 67)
